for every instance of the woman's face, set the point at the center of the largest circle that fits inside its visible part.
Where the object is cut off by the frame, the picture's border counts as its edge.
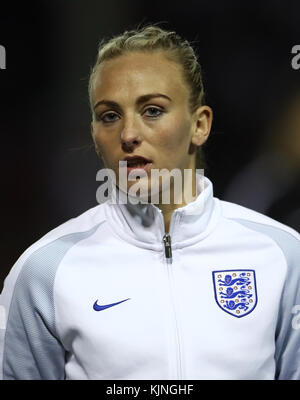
(141, 108)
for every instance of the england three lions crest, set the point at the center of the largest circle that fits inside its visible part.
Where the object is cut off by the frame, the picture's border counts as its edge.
(235, 291)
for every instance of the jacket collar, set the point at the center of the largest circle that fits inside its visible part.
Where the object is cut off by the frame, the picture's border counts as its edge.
(143, 224)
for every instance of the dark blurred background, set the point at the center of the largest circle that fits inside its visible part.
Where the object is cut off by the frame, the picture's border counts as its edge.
(48, 162)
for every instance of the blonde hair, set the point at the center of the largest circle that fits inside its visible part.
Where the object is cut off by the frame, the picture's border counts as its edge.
(151, 38)
(154, 38)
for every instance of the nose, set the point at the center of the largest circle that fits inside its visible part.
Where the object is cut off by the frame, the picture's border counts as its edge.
(130, 135)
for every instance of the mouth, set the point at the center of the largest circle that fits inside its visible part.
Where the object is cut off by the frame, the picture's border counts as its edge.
(138, 163)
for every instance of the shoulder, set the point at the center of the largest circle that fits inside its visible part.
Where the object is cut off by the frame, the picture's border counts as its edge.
(282, 236)
(254, 219)
(40, 261)
(71, 230)
(82, 223)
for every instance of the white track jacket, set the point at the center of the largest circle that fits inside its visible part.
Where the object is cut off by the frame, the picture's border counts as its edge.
(108, 295)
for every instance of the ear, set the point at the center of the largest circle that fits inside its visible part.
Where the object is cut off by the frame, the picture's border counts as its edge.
(202, 125)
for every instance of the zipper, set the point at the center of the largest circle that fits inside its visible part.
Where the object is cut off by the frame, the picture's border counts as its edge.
(168, 257)
(168, 248)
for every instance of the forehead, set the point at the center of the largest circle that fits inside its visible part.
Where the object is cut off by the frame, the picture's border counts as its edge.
(136, 73)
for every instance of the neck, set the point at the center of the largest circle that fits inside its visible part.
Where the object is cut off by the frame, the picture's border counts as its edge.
(178, 200)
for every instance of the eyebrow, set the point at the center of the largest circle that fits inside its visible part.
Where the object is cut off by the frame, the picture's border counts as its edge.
(140, 100)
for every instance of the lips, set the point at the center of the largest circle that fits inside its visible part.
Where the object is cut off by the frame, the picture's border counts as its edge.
(137, 161)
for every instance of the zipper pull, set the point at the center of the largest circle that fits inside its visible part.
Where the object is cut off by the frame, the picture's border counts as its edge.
(168, 248)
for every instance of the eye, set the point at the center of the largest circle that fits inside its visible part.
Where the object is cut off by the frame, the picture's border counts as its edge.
(154, 112)
(108, 117)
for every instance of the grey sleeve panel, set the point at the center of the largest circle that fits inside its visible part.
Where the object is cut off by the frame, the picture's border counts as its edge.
(32, 348)
(287, 355)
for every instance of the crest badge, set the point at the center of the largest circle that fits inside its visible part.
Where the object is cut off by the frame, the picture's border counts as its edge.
(235, 291)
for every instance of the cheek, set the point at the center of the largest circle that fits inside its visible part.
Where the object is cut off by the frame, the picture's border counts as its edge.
(105, 146)
(175, 135)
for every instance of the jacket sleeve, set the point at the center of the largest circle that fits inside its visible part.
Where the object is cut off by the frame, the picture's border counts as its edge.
(287, 354)
(30, 348)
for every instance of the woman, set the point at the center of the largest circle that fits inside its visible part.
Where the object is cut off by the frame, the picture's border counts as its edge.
(191, 288)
